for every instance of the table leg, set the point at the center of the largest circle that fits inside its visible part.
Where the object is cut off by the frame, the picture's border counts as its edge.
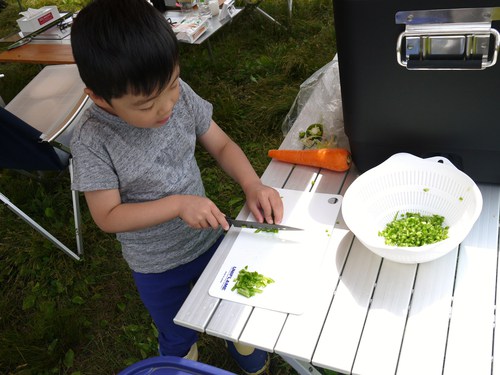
(254, 4)
(268, 16)
(302, 367)
(210, 53)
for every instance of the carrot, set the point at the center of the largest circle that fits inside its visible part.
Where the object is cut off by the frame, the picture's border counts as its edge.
(335, 159)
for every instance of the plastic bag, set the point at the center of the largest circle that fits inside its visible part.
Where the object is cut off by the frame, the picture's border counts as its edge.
(319, 101)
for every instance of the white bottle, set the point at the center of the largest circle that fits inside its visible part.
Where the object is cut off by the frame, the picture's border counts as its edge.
(214, 7)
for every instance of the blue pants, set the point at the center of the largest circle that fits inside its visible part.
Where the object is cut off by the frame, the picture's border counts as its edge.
(163, 295)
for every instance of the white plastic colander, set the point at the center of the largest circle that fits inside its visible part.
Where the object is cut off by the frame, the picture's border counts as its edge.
(406, 183)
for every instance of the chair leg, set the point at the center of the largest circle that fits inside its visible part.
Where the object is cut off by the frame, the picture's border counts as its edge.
(37, 227)
(77, 213)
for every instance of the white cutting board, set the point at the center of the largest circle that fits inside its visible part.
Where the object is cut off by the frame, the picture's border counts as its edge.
(291, 259)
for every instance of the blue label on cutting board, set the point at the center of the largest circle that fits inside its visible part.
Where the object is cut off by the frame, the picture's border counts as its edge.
(226, 278)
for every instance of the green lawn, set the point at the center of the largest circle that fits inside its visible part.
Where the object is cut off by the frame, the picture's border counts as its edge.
(58, 316)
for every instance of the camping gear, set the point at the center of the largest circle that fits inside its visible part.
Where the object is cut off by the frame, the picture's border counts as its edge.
(421, 77)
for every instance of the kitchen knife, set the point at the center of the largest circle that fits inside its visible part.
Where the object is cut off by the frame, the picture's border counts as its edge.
(257, 225)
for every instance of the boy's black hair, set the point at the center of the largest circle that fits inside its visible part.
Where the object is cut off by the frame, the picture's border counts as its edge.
(123, 46)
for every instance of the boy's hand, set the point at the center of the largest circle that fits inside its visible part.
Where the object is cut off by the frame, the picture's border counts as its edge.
(265, 203)
(200, 212)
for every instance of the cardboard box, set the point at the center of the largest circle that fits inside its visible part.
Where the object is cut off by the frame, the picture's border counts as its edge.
(38, 18)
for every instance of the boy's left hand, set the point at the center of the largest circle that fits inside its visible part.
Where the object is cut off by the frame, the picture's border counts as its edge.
(265, 203)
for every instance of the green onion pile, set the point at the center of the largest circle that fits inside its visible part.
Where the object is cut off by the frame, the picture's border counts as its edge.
(270, 230)
(249, 283)
(414, 229)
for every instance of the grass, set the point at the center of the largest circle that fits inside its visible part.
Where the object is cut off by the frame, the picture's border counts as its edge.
(58, 316)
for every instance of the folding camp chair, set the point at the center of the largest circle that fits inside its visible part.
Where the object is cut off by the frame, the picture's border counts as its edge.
(35, 130)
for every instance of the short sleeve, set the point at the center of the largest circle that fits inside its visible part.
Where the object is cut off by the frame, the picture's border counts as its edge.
(200, 109)
(92, 166)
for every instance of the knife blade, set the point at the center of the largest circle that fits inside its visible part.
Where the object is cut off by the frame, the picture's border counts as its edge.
(257, 225)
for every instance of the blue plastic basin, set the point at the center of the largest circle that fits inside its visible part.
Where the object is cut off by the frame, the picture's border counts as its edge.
(172, 366)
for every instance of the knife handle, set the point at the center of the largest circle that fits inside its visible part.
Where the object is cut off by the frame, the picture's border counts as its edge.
(229, 220)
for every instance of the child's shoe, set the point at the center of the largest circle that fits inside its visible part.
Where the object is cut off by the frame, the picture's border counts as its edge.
(252, 361)
(193, 353)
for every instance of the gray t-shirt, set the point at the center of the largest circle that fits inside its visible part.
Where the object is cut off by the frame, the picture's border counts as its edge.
(147, 164)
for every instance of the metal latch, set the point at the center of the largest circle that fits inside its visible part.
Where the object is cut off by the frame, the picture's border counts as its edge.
(451, 39)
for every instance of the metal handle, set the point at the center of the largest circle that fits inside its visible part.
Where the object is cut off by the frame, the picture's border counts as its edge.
(467, 59)
(448, 39)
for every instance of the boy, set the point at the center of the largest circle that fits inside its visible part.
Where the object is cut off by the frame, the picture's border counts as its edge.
(134, 158)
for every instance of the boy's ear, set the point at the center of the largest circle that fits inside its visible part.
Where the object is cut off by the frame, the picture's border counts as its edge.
(97, 99)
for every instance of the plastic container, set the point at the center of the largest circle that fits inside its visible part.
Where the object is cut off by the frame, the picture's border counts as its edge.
(214, 7)
(204, 8)
(406, 183)
(167, 365)
(187, 6)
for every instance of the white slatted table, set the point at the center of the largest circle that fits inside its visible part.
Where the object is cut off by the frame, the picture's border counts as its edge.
(371, 316)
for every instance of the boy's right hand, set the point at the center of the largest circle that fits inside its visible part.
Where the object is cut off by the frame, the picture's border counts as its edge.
(200, 212)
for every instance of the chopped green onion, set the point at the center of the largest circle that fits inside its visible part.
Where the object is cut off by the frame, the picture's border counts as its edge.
(249, 283)
(414, 229)
(270, 230)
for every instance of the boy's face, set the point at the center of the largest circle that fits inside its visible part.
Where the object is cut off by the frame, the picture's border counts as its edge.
(151, 111)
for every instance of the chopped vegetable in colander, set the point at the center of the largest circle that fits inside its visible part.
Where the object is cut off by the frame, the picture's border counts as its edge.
(414, 229)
